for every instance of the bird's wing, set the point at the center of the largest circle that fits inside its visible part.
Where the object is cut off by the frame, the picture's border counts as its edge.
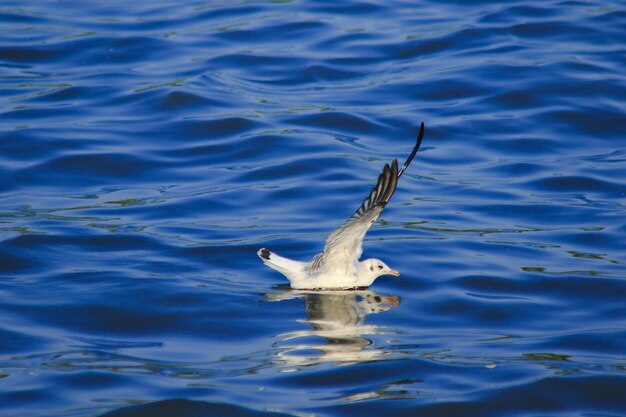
(344, 246)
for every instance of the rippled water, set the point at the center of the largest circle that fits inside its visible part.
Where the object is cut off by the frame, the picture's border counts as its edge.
(148, 149)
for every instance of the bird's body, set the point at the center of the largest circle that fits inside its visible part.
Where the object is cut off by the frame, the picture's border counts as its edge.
(338, 266)
(355, 275)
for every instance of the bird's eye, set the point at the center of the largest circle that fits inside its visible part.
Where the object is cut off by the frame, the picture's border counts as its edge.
(380, 267)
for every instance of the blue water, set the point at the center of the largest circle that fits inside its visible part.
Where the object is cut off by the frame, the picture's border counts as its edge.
(148, 149)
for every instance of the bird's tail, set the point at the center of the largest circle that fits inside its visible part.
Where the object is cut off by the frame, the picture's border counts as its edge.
(293, 270)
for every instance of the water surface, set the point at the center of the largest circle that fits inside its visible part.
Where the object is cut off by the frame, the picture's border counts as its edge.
(148, 149)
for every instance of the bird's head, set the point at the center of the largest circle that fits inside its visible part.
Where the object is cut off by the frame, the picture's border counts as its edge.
(377, 268)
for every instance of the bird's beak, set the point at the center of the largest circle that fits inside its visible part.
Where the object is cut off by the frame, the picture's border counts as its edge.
(393, 272)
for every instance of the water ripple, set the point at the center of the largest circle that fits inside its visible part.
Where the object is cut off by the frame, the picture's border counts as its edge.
(147, 150)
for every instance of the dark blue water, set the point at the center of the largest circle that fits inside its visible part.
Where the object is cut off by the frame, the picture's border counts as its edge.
(148, 149)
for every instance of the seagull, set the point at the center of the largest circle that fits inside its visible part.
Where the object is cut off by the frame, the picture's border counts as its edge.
(338, 266)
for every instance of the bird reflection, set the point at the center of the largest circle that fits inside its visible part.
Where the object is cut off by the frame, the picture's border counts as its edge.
(338, 317)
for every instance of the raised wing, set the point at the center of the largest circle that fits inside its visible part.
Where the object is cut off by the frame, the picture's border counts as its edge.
(344, 246)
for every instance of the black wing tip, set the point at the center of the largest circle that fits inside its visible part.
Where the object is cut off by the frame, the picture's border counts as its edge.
(383, 190)
(418, 143)
(392, 168)
(264, 254)
(387, 181)
(420, 135)
(392, 183)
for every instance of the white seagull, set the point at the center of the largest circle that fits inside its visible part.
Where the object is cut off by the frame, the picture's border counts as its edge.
(338, 266)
